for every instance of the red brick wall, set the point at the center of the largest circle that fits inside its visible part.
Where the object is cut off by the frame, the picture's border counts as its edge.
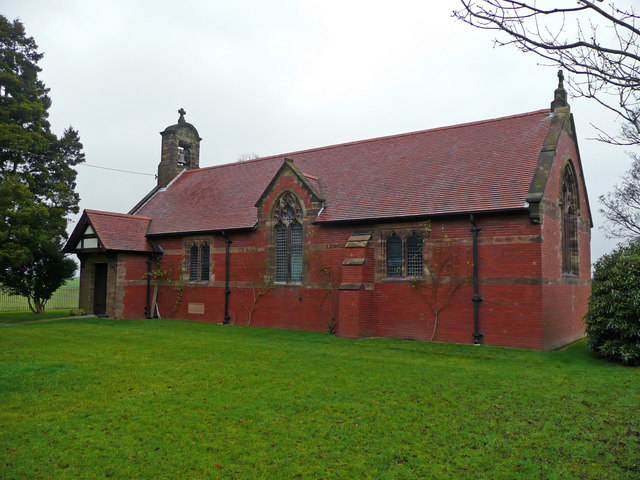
(509, 270)
(526, 301)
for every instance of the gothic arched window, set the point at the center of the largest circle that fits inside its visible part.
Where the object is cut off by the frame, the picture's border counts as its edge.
(287, 217)
(569, 219)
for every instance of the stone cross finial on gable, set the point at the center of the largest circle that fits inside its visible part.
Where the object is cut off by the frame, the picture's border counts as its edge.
(560, 94)
(182, 113)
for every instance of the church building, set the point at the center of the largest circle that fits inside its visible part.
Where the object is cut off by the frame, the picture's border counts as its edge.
(472, 233)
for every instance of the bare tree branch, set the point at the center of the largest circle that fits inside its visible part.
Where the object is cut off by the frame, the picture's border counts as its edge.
(329, 274)
(622, 206)
(600, 47)
(255, 287)
(603, 58)
(441, 273)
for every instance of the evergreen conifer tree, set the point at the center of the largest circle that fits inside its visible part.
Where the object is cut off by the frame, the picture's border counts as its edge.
(37, 179)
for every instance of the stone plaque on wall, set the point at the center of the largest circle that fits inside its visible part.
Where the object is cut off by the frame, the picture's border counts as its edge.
(197, 308)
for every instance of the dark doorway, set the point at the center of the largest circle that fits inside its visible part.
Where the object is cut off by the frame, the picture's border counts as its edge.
(100, 289)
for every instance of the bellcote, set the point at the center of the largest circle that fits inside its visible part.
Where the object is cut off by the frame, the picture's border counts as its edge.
(180, 150)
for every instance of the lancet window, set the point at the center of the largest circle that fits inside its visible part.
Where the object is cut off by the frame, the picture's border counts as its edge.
(569, 218)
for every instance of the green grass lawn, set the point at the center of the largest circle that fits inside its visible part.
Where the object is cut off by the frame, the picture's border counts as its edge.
(95, 398)
(29, 316)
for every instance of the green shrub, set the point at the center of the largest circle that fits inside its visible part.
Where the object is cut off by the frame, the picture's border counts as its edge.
(613, 318)
(76, 312)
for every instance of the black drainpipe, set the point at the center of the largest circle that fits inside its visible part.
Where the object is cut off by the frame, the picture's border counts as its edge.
(476, 299)
(227, 292)
(147, 308)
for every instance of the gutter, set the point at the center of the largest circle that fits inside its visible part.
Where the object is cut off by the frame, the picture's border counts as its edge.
(422, 216)
(221, 231)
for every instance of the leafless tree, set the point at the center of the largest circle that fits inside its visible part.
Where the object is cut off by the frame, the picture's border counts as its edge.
(622, 206)
(598, 44)
(329, 273)
(254, 289)
(442, 273)
(247, 156)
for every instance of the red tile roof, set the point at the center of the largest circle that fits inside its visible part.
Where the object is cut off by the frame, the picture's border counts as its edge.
(120, 232)
(313, 181)
(480, 166)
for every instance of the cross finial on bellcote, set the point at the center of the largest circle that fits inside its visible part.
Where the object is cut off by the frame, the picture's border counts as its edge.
(182, 113)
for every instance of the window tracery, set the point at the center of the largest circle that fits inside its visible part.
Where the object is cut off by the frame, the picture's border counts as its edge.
(287, 217)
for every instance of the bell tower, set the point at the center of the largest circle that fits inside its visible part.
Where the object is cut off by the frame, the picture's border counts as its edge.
(180, 150)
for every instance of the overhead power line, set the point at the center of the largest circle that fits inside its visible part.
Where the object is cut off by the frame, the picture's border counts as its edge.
(49, 157)
(115, 169)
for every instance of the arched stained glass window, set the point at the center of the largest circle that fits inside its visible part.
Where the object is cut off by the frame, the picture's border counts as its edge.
(569, 219)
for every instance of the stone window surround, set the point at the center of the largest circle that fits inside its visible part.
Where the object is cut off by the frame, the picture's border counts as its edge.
(287, 210)
(187, 244)
(404, 233)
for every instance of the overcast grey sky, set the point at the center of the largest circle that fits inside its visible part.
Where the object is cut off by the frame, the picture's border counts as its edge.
(276, 77)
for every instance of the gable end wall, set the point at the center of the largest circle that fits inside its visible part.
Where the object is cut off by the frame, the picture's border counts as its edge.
(565, 298)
